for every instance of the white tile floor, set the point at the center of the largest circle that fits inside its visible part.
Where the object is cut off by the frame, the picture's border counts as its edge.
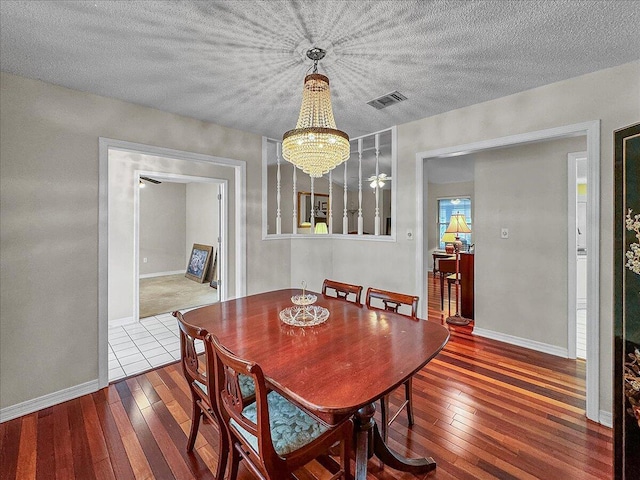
(137, 347)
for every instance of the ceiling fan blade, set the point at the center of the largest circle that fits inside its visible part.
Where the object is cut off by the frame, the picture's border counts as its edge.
(149, 179)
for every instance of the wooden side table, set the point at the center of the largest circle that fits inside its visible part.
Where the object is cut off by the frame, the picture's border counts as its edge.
(436, 260)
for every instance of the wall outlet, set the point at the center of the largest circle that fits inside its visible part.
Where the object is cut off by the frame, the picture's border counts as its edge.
(504, 233)
(144, 260)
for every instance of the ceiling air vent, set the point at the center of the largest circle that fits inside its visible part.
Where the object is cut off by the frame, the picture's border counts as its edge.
(386, 100)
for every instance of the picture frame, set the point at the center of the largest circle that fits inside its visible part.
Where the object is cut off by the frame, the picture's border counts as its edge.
(199, 261)
(214, 271)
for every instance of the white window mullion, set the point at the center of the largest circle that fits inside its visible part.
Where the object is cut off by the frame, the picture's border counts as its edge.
(345, 218)
(360, 219)
(330, 212)
(313, 213)
(377, 217)
(295, 203)
(278, 180)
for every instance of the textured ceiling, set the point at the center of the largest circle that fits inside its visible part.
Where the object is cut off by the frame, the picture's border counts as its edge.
(241, 63)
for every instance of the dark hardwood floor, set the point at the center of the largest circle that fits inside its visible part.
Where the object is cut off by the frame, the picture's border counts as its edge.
(483, 410)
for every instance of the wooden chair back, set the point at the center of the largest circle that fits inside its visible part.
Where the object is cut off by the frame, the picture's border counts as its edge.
(343, 290)
(265, 463)
(194, 369)
(393, 301)
(231, 404)
(200, 375)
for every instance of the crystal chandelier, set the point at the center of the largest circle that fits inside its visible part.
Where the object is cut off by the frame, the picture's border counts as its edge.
(315, 145)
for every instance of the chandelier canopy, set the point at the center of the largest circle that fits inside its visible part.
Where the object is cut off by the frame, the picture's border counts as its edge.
(316, 146)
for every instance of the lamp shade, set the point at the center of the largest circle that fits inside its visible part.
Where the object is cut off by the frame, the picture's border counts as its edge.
(449, 237)
(321, 227)
(458, 224)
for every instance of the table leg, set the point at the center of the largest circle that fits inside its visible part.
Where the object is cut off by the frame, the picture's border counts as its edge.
(388, 457)
(435, 266)
(364, 424)
(369, 442)
(441, 292)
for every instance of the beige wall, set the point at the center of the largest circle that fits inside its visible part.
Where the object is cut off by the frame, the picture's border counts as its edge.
(174, 216)
(49, 224)
(162, 227)
(202, 219)
(521, 282)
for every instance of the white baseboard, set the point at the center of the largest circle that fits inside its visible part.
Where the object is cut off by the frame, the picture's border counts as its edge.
(522, 342)
(30, 406)
(120, 322)
(606, 418)
(161, 274)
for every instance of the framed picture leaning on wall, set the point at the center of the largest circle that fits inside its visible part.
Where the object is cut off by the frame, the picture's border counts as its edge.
(199, 262)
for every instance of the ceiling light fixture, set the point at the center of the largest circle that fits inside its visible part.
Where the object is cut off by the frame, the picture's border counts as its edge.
(315, 145)
(378, 180)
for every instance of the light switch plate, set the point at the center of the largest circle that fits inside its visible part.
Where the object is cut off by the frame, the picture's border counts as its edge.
(504, 233)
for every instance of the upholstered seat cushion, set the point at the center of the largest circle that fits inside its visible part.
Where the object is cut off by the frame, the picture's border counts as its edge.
(291, 428)
(247, 387)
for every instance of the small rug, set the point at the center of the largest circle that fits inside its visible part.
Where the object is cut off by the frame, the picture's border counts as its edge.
(173, 292)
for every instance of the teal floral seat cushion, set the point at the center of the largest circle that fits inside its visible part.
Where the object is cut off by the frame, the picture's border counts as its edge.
(247, 387)
(291, 428)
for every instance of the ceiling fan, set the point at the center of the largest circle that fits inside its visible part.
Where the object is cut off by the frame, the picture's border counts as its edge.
(378, 180)
(151, 180)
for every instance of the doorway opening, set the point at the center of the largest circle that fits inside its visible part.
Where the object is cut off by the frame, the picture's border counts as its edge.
(577, 202)
(121, 165)
(170, 217)
(590, 130)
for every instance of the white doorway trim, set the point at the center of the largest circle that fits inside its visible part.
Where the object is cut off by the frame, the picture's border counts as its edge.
(222, 230)
(572, 242)
(592, 131)
(240, 179)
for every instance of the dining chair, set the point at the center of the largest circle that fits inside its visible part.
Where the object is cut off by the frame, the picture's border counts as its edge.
(394, 302)
(200, 375)
(272, 435)
(343, 290)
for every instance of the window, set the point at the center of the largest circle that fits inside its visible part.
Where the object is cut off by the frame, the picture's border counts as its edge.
(449, 206)
(355, 200)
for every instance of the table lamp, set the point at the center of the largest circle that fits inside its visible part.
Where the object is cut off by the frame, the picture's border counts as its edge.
(448, 239)
(457, 225)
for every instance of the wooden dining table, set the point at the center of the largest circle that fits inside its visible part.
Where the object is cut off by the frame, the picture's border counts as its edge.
(333, 370)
